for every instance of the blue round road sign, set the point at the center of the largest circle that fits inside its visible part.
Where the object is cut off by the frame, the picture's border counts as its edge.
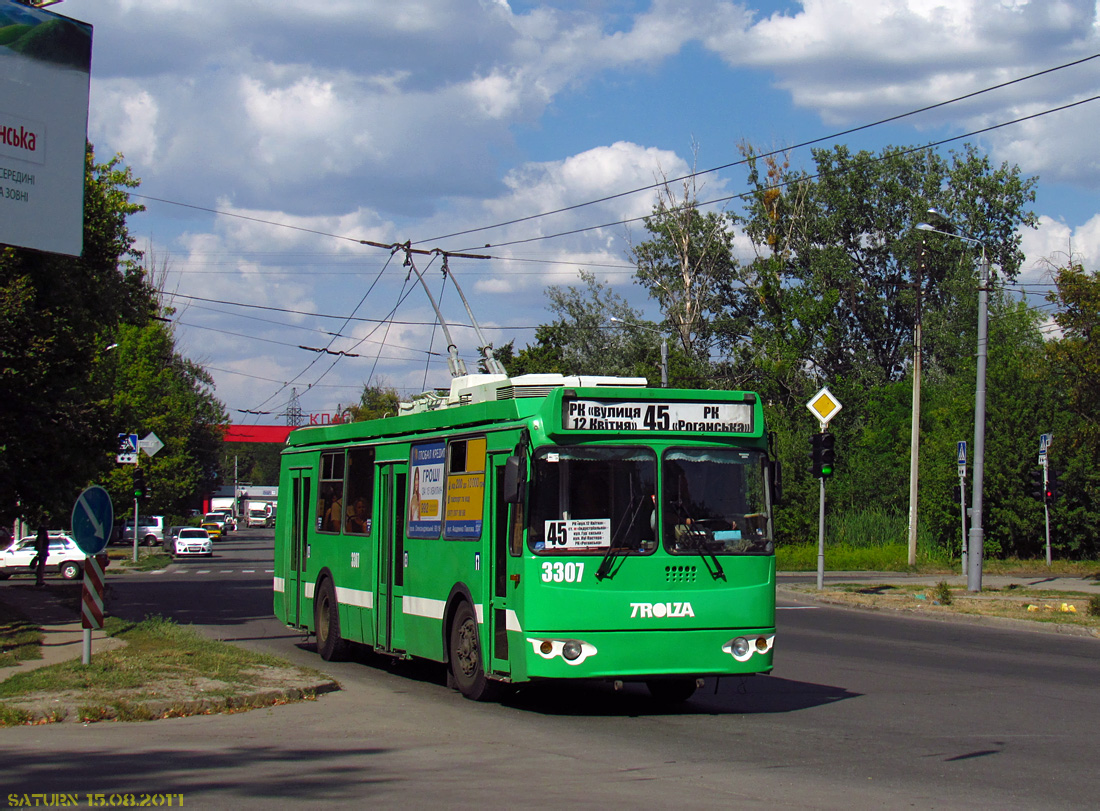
(93, 520)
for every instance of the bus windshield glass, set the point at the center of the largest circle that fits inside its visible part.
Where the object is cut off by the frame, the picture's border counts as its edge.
(714, 502)
(588, 500)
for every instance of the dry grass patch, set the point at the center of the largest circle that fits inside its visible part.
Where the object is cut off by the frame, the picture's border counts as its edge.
(1014, 602)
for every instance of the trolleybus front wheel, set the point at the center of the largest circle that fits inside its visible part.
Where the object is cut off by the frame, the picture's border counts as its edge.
(671, 691)
(467, 673)
(327, 623)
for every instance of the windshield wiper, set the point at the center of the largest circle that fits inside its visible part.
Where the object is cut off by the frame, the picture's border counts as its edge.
(621, 533)
(697, 538)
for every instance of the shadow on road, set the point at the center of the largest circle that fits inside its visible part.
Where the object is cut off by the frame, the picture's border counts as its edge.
(282, 773)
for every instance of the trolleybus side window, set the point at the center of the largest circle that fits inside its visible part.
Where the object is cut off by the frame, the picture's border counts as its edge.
(360, 494)
(330, 492)
(714, 502)
(588, 500)
(465, 488)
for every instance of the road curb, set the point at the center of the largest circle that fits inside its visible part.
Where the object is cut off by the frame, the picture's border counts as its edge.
(966, 619)
(50, 712)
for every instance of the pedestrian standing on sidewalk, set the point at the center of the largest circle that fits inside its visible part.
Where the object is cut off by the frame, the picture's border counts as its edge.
(42, 551)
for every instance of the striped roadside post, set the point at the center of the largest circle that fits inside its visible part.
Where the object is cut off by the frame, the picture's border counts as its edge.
(91, 601)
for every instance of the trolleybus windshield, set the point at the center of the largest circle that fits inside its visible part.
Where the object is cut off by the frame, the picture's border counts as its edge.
(587, 500)
(714, 502)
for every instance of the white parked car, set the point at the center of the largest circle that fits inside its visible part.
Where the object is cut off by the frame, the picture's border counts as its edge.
(193, 541)
(65, 557)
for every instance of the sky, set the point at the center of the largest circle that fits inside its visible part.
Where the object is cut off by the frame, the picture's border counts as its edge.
(273, 138)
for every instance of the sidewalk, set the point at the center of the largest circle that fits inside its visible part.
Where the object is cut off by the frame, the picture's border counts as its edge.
(55, 608)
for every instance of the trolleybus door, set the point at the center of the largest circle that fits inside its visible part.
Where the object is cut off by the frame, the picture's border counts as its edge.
(495, 635)
(294, 566)
(390, 629)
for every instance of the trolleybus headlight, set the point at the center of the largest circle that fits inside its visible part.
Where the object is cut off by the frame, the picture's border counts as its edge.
(547, 647)
(571, 649)
(740, 647)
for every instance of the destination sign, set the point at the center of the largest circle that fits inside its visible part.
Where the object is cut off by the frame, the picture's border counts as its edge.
(677, 417)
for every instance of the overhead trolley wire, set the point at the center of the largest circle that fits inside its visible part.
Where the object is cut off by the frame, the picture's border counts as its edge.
(732, 164)
(800, 145)
(744, 195)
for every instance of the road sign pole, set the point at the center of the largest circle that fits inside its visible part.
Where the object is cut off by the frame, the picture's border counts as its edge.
(91, 602)
(135, 529)
(821, 537)
(1046, 503)
(962, 516)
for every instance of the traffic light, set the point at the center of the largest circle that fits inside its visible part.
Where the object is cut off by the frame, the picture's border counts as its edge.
(1036, 488)
(1051, 491)
(139, 484)
(822, 455)
(828, 455)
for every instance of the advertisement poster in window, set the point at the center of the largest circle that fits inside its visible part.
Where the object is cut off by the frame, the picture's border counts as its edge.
(465, 489)
(426, 464)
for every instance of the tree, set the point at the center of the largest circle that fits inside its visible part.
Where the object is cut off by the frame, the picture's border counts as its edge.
(685, 264)
(58, 315)
(1074, 362)
(155, 390)
(377, 400)
(86, 356)
(839, 255)
(596, 333)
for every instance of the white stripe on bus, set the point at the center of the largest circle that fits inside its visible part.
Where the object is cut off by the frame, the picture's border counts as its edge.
(423, 607)
(280, 584)
(363, 599)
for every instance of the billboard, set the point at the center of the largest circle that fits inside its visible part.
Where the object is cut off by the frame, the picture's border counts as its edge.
(45, 65)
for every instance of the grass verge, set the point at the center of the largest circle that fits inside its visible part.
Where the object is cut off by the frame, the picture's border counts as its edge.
(164, 670)
(1065, 608)
(842, 557)
(20, 639)
(149, 559)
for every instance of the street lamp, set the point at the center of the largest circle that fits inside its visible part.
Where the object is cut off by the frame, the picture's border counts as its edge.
(664, 346)
(977, 533)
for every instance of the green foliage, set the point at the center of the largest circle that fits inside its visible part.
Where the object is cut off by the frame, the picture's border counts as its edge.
(376, 401)
(157, 390)
(253, 463)
(942, 593)
(57, 314)
(83, 357)
(686, 265)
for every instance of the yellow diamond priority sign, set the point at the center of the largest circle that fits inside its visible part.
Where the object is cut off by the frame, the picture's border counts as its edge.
(824, 406)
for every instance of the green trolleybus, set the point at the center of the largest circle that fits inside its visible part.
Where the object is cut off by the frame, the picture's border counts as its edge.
(538, 527)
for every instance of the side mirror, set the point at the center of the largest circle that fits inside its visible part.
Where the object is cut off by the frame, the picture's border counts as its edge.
(775, 469)
(513, 479)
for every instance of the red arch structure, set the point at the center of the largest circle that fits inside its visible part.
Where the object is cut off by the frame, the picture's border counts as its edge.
(258, 433)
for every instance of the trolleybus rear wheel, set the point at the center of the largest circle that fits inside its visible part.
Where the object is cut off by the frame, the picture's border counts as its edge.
(467, 672)
(327, 623)
(671, 691)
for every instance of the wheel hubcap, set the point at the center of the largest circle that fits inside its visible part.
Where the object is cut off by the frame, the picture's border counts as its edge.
(466, 649)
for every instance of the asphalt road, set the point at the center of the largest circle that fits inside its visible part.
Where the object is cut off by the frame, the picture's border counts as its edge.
(864, 708)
